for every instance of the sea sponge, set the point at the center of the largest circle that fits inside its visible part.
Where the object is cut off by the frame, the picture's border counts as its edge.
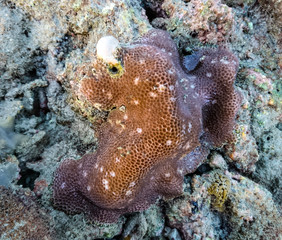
(159, 124)
(219, 189)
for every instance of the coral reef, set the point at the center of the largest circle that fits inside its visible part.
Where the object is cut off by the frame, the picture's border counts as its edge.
(22, 218)
(253, 213)
(42, 122)
(12, 23)
(274, 10)
(211, 21)
(145, 225)
(35, 40)
(114, 180)
(249, 214)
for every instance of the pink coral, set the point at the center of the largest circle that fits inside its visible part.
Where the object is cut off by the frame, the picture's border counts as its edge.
(161, 118)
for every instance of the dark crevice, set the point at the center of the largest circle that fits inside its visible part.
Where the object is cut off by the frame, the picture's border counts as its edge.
(32, 73)
(28, 177)
(279, 126)
(36, 68)
(194, 34)
(154, 9)
(204, 168)
(40, 104)
(26, 33)
(64, 47)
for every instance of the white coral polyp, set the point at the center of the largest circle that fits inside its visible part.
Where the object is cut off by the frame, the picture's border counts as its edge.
(106, 49)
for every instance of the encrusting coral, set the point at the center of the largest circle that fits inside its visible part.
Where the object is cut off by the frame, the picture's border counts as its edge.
(162, 118)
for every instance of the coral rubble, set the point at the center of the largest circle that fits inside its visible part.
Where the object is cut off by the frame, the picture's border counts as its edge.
(241, 209)
(22, 218)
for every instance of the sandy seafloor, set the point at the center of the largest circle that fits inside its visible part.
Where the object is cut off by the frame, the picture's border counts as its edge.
(40, 126)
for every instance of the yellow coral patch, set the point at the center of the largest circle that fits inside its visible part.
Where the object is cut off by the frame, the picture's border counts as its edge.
(115, 70)
(219, 189)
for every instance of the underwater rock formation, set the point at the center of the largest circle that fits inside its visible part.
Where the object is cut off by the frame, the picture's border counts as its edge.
(162, 118)
(249, 208)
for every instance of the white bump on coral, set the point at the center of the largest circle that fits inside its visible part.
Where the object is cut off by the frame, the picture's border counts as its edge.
(132, 184)
(129, 192)
(105, 183)
(152, 94)
(167, 175)
(161, 88)
(106, 49)
(208, 74)
(168, 142)
(136, 80)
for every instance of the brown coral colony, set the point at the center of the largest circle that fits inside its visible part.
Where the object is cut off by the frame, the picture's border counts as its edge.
(162, 118)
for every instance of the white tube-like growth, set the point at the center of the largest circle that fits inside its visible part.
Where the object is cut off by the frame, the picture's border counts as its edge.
(106, 49)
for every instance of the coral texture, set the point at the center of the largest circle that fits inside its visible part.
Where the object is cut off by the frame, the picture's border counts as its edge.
(211, 21)
(22, 218)
(249, 208)
(161, 120)
(219, 189)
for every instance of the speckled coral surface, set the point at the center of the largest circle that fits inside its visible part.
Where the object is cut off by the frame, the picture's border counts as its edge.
(138, 160)
(22, 218)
